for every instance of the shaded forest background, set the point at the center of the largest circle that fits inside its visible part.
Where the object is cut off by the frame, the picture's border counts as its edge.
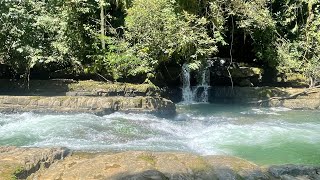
(147, 41)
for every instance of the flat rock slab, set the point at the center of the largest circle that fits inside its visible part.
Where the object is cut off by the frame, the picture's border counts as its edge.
(60, 164)
(76, 88)
(149, 165)
(84, 104)
(19, 163)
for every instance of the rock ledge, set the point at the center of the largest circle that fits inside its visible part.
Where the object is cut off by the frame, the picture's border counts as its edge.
(84, 104)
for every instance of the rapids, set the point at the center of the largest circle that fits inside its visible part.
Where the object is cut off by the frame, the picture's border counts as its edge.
(262, 135)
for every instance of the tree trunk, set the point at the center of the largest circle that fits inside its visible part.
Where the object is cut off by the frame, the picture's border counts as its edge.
(312, 82)
(102, 25)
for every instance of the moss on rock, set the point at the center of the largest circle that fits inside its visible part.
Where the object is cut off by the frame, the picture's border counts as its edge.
(114, 89)
(19, 163)
(82, 104)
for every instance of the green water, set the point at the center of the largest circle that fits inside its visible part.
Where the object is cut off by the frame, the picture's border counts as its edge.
(262, 135)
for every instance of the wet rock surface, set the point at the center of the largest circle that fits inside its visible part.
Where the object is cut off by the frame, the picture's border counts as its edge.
(19, 163)
(145, 165)
(59, 163)
(295, 172)
(97, 105)
(59, 96)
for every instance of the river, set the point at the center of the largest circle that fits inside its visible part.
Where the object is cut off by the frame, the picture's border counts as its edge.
(262, 135)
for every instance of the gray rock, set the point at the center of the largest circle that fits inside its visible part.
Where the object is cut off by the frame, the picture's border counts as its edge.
(245, 82)
(147, 175)
(253, 175)
(288, 177)
(296, 171)
(226, 174)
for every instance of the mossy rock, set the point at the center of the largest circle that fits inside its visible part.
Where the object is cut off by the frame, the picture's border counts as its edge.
(149, 158)
(9, 171)
(19, 163)
(293, 79)
(123, 89)
(60, 87)
(244, 72)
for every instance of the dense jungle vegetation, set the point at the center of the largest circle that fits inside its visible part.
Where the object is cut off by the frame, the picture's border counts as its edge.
(139, 40)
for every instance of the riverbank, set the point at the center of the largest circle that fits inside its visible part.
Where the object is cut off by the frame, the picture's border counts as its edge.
(85, 104)
(61, 163)
(71, 96)
(68, 96)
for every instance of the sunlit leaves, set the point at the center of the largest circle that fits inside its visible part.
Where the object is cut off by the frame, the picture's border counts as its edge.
(159, 32)
(302, 53)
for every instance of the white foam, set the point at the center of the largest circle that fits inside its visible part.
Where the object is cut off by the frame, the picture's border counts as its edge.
(203, 134)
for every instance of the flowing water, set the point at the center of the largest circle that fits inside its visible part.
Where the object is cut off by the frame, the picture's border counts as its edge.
(262, 135)
(198, 93)
(202, 96)
(187, 95)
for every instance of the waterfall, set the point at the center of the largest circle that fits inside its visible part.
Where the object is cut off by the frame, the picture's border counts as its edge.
(186, 88)
(199, 93)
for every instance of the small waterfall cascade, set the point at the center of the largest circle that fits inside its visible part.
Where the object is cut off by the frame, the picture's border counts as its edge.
(201, 91)
(198, 93)
(186, 88)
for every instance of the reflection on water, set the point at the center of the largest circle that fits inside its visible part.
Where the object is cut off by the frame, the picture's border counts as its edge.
(263, 135)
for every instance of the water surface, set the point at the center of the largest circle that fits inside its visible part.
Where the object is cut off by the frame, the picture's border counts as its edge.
(262, 135)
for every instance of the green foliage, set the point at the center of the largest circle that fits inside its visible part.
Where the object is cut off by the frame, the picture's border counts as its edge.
(118, 61)
(159, 33)
(302, 53)
(17, 34)
(254, 18)
(34, 32)
(138, 36)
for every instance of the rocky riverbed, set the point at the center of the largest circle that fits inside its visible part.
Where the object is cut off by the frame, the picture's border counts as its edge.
(61, 163)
